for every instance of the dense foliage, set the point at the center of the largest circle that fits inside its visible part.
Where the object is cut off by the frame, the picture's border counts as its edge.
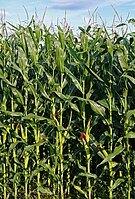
(67, 112)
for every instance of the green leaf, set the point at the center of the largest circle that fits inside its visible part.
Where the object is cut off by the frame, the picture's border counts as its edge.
(132, 21)
(105, 104)
(89, 175)
(97, 108)
(121, 24)
(62, 96)
(130, 135)
(40, 143)
(80, 190)
(130, 78)
(13, 114)
(24, 74)
(13, 146)
(81, 167)
(45, 190)
(74, 107)
(42, 89)
(2, 125)
(33, 116)
(93, 73)
(18, 95)
(2, 76)
(74, 80)
(116, 152)
(123, 58)
(130, 113)
(74, 54)
(117, 183)
(28, 148)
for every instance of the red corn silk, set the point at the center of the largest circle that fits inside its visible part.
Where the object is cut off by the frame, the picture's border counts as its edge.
(45, 139)
(82, 136)
(98, 145)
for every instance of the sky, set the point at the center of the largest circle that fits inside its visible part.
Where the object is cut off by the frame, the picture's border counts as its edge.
(78, 12)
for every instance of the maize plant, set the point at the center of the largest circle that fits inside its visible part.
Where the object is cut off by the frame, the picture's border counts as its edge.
(67, 112)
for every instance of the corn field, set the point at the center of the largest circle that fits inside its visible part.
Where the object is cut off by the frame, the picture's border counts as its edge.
(67, 112)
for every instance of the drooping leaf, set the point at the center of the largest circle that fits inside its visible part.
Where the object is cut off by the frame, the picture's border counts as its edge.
(33, 116)
(18, 95)
(74, 79)
(89, 175)
(13, 114)
(132, 79)
(97, 108)
(130, 135)
(116, 152)
(74, 107)
(78, 188)
(45, 190)
(117, 183)
(42, 89)
(93, 73)
(2, 125)
(130, 113)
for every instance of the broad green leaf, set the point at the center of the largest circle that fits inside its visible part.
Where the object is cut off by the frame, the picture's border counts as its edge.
(130, 135)
(80, 166)
(28, 148)
(114, 164)
(97, 108)
(2, 125)
(13, 146)
(74, 107)
(33, 91)
(33, 116)
(42, 89)
(74, 80)
(93, 73)
(18, 95)
(105, 104)
(13, 114)
(121, 24)
(116, 152)
(44, 190)
(132, 21)
(62, 96)
(89, 175)
(123, 57)
(24, 74)
(130, 78)
(40, 143)
(74, 54)
(78, 188)
(130, 113)
(117, 183)
(22, 59)
(2, 76)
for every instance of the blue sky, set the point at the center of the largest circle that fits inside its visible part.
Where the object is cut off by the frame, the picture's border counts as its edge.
(78, 12)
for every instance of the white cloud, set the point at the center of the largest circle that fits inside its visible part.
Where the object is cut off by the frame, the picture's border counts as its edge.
(85, 4)
(73, 5)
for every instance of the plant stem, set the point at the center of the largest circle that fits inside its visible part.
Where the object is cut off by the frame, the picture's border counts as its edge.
(87, 149)
(127, 139)
(61, 144)
(14, 150)
(4, 168)
(111, 143)
(26, 157)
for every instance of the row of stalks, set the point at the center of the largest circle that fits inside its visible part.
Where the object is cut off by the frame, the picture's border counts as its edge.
(67, 112)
